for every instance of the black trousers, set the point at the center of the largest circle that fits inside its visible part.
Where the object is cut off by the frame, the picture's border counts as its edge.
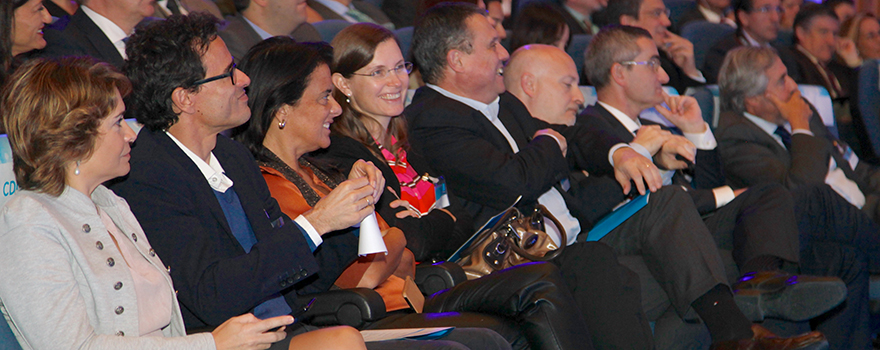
(671, 239)
(758, 222)
(532, 300)
(837, 239)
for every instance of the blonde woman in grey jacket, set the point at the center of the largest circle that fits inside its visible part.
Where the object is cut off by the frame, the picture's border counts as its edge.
(77, 270)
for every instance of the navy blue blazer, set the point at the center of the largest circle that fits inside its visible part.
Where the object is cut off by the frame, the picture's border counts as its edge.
(214, 276)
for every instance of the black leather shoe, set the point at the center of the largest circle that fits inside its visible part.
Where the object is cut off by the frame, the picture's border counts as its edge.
(765, 340)
(788, 297)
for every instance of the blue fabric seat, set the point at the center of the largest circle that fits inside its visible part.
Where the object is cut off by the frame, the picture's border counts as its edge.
(330, 27)
(704, 35)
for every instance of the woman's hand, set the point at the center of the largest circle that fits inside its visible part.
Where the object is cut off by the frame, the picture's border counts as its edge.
(346, 205)
(248, 332)
(409, 210)
(366, 169)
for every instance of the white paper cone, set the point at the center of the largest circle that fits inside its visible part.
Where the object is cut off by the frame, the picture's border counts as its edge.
(371, 237)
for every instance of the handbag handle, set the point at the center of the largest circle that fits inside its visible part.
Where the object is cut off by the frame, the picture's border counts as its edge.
(551, 254)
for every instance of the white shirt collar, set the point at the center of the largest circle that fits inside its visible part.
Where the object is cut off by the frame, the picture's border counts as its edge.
(212, 170)
(489, 110)
(768, 127)
(110, 29)
(631, 125)
(339, 8)
(262, 33)
(751, 41)
(710, 15)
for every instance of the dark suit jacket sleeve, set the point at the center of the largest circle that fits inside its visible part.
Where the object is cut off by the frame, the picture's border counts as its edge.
(435, 234)
(461, 144)
(751, 157)
(214, 277)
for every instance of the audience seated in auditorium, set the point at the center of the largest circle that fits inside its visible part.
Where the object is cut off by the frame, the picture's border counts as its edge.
(353, 11)
(284, 128)
(714, 11)
(260, 20)
(67, 239)
(676, 53)
(476, 135)
(863, 30)
(21, 23)
(232, 249)
(540, 23)
(758, 25)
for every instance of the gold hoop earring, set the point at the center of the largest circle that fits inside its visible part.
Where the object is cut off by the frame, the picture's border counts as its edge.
(282, 124)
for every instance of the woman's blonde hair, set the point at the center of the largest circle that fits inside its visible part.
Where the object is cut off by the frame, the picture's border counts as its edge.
(52, 109)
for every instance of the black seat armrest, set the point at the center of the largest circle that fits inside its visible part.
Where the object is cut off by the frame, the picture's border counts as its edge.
(351, 307)
(432, 278)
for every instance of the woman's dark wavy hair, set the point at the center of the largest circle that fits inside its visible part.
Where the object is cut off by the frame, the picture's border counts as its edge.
(538, 23)
(7, 20)
(279, 69)
(353, 49)
(163, 56)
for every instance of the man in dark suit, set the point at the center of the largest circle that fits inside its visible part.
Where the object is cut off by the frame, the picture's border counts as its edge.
(490, 150)
(201, 199)
(98, 29)
(676, 53)
(353, 11)
(578, 15)
(714, 11)
(758, 26)
(769, 134)
(257, 21)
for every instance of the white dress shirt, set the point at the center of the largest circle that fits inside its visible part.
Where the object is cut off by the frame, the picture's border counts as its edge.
(703, 141)
(552, 199)
(835, 178)
(110, 29)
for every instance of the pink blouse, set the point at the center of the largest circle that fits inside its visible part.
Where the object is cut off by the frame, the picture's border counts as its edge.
(153, 296)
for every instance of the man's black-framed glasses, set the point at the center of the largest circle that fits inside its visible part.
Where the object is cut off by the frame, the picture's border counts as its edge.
(230, 73)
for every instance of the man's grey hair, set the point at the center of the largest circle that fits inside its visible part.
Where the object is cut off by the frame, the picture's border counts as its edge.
(613, 44)
(743, 75)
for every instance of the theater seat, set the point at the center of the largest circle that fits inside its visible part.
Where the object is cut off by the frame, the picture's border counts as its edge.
(330, 27)
(704, 35)
(7, 338)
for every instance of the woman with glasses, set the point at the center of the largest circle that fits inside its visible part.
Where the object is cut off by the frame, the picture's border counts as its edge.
(370, 76)
(78, 271)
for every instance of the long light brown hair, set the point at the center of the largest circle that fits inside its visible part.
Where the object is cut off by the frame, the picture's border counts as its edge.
(353, 49)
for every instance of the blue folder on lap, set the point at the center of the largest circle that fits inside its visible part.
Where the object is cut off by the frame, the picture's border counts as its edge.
(614, 219)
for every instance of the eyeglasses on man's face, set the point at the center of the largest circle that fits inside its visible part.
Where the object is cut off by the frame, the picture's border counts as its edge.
(768, 9)
(653, 63)
(230, 73)
(381, 73)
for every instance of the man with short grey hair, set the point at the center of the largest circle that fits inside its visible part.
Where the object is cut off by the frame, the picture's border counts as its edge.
(769, 134)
